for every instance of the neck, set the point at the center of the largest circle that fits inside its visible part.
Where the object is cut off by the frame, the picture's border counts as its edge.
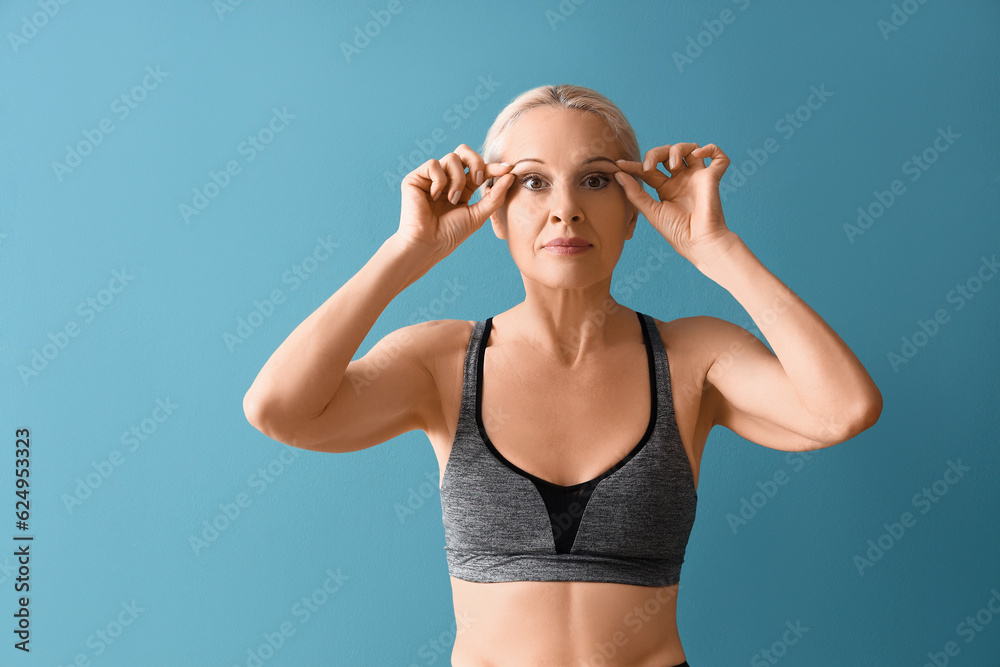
(569, 324)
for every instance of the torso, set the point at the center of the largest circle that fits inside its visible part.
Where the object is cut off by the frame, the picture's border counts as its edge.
(568, 427)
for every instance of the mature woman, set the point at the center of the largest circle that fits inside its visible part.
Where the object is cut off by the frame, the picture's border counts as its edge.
(569, 432)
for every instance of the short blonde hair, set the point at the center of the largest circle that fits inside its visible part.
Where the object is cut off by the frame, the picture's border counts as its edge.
(619, 132)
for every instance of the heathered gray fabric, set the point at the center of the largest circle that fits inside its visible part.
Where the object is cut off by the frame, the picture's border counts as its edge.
(634, 529)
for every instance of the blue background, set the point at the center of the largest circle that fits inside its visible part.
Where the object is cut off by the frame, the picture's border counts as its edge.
(333, 173)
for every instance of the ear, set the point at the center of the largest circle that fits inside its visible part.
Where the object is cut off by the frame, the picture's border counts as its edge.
(499, 226)
(630, 223)
(499, 218)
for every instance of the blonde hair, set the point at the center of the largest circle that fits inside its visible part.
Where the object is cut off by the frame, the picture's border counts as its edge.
(618, 131)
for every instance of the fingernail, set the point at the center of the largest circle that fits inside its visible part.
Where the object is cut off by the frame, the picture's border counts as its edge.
(506, 164)
(479, 178)
(454, 198)
(673, 161)
(619, 178)
(619, 161)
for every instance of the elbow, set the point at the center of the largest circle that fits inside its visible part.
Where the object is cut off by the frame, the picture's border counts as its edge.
(860, 420)
(870, 411)
(253, 410)
(262, 418)
(874, 409)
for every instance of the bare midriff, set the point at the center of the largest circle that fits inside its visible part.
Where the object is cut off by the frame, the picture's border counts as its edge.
(565, 623)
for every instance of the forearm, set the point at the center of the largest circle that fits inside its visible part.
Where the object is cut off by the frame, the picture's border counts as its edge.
(303, 374)
(830, 381)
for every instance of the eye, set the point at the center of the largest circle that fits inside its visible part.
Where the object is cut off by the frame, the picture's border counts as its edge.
(599, 177)
(527, 178)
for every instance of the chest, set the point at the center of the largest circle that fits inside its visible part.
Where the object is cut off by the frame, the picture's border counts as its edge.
(565, 426)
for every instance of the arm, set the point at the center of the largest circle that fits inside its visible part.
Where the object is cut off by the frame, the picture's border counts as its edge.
(310, 385)
(811, 392)
(310, 394)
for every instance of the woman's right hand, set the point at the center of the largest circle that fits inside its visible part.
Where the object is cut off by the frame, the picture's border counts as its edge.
(431, 218)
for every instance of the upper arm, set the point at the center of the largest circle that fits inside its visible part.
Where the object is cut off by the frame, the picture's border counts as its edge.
(748, 391)
(389, 391)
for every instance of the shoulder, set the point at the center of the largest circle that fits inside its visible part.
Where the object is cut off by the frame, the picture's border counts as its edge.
(701, 340)
(435, 344)
(698, 347)
(703, 332)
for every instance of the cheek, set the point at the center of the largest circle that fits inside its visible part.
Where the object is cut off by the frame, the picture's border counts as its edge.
(524, 211)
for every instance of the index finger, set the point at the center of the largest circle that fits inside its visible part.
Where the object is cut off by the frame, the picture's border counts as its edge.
(475, 163)
(495, 169)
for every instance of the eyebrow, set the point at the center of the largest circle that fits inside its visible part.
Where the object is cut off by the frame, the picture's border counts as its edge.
(587, 161)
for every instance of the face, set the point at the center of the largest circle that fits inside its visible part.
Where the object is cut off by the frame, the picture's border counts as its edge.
(564, 187)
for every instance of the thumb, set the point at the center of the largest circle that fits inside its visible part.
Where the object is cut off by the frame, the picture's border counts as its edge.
(636, 194)
(487, 205)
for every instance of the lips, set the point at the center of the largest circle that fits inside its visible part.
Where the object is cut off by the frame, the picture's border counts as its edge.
(573, 241)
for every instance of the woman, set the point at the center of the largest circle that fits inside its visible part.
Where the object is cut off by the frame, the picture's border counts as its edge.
(590, 413)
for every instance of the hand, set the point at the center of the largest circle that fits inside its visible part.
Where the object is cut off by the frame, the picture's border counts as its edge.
(435, 214)
(689, 213)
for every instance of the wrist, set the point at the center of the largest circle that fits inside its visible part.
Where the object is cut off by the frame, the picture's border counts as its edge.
(416, 259)
(717, 252)
(415, 248)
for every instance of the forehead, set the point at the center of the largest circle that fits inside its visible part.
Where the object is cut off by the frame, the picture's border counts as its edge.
(559, 135)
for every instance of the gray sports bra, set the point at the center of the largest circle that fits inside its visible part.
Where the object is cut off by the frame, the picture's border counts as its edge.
(629, 525)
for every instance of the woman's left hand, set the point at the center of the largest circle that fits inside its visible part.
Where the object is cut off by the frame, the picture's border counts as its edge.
(689, 213)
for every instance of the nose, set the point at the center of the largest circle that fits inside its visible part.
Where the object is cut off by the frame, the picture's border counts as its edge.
(564, 206)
